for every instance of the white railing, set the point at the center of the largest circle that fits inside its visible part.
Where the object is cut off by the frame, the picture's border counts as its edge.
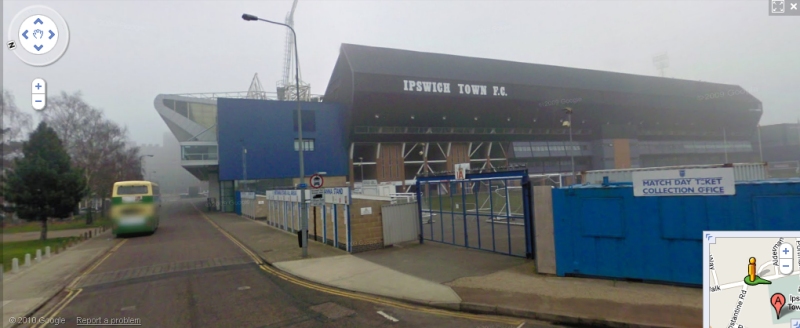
(403, 197)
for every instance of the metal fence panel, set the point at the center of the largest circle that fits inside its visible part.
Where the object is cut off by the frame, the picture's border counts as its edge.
(741, 172)
(486, 211)
(400, 223)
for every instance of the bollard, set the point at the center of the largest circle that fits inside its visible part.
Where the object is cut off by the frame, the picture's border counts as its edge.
(2, 271)
(15, 265)
(38, 255)
(90, 234)
(28, 259)
(47, 252)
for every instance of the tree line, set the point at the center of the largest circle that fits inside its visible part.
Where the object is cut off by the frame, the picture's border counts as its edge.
(74, 154)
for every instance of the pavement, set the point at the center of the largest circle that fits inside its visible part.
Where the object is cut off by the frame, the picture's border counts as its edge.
(471, 280)
(193, 272)
(34, 235)
(32, 287)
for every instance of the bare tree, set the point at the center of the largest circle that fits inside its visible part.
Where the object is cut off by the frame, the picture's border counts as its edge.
(16, 124)
(93, 142)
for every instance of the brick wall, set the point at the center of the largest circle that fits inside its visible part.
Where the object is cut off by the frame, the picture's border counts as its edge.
(261, 208)
(367, 230)
(366, 233)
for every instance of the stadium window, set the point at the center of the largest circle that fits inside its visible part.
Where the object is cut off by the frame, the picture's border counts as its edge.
(308, 144)
(181, 107)
(309, 120)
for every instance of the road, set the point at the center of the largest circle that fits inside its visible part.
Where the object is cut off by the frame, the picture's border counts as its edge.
(188, 274)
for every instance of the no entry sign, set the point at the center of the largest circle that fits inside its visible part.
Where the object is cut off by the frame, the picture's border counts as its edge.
(315, 181)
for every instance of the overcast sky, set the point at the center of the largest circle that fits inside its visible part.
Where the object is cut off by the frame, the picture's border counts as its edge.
(124, 53)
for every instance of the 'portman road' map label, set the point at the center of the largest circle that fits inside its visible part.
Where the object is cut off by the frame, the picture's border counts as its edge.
(751, 279)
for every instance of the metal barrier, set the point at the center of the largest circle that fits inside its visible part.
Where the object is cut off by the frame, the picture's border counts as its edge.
(400, 223)
(283, 212)
(488, 211)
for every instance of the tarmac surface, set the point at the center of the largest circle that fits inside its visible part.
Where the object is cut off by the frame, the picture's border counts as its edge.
(191, 273)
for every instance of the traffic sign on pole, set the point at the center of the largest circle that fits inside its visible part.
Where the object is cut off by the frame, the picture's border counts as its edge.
(316, 181)
(317, 197)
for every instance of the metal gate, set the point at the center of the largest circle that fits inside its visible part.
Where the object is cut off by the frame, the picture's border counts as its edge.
(486, 211)
(400, 223)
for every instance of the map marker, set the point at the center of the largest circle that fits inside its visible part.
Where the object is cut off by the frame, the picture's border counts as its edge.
(751, 278)
(777, 300)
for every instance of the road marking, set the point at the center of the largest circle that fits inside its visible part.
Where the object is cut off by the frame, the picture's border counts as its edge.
(393, 319)
(72, 292)
(352, 295)
(520, 325)
(5, 302)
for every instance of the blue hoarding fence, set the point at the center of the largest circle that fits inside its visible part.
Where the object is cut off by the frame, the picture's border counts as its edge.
(607, 232)
(486, 211)
(237, 207)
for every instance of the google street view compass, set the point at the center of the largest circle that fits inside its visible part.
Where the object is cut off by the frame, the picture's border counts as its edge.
(751, 278)
(39, 35)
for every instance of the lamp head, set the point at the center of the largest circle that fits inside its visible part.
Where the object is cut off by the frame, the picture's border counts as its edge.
(249, 17)
(568, 110)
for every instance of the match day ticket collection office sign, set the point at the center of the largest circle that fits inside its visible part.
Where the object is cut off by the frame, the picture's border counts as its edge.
(688, 182)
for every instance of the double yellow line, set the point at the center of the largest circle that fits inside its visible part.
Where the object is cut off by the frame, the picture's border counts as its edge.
(351, 295)
(72, 292)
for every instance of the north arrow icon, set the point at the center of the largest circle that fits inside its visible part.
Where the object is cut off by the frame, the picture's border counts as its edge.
(38, 21)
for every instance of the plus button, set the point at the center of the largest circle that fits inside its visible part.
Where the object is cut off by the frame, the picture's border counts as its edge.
(785, 251)
(38, 86)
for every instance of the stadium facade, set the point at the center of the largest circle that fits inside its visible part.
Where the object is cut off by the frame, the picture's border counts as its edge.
(388, 115)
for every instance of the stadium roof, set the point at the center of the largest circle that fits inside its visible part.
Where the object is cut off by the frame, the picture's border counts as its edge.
(394, 62)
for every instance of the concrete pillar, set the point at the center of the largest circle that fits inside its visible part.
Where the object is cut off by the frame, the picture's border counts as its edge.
(15, 265)
(38, 255)
(28, 259)
(47, 252)
(543, 223)
(213, 188)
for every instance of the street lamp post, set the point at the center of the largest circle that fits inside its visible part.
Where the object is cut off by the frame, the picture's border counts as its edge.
(244, 170)
(301, 147)
(568, 110)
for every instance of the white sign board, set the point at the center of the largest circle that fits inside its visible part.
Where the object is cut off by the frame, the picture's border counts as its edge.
(366, 210)
(248, 195)
(337, 195)
(288, 195)
(688, 182)
(317, 197)
(461, 171)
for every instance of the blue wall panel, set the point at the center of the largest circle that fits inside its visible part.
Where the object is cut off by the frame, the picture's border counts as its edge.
(266, 129)
(607, 232)
(237, 207)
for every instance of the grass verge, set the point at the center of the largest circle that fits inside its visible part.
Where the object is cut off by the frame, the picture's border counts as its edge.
(79, 222)
(18, 249)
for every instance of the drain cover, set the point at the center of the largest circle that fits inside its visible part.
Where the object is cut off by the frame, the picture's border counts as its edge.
(332, 310)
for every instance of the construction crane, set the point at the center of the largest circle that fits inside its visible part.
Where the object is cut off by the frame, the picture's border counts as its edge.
(286, 87)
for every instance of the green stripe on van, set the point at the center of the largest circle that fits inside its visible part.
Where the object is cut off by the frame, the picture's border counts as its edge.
(118, 200)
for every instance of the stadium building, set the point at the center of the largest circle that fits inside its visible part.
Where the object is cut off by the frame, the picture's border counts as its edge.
(779, 146)
(388, 115)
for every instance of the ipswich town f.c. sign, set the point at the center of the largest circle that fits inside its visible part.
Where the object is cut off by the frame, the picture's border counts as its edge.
(446, 87)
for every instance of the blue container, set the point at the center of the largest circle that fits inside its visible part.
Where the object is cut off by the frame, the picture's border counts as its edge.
(607, 232)
(237, 207)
